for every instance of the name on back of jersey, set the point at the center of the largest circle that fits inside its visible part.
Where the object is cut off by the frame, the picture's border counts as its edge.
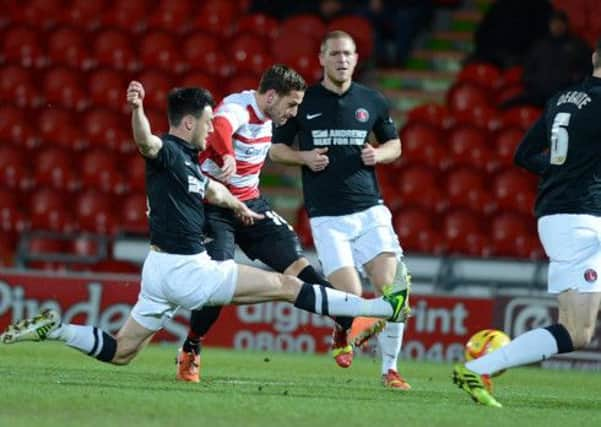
(580, 99)
(322, 137)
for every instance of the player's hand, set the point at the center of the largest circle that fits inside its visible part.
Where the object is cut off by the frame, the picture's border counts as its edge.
(316, 159)
(228, 169)
(135, 94)
(369, 155)
(247, 215)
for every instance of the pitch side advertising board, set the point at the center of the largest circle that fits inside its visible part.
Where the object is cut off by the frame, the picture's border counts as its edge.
(437, 331)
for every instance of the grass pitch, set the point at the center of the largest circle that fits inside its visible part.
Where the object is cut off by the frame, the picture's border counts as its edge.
(51, 385)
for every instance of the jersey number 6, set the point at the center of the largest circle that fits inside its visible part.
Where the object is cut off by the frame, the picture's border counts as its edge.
(560, 138)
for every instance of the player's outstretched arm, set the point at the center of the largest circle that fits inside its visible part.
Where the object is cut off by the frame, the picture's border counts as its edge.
(218, 194)
(148, 144)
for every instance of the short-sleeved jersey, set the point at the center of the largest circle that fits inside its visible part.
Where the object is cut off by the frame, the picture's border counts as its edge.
(175, 189)
(250, 139)
(569, 135)
(342, 123)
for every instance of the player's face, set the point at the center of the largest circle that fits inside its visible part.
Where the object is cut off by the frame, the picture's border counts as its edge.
(203, 126)
(284, 107)
(338, 60)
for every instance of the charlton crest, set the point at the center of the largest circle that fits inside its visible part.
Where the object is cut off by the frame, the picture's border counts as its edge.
(590, 275)
(362, 115)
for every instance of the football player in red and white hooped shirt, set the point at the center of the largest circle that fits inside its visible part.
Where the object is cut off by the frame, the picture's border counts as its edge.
(236, 151)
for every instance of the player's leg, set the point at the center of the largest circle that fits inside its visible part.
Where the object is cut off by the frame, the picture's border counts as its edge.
(220, 228)
(274, 242)
(378, 251)
(332, 237)
(382, 271)
(252, 285)
(94, 342)
(572, 244)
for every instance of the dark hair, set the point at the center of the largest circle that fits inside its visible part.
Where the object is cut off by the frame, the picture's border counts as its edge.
(332, 35)
(187, 100)
(282, 79)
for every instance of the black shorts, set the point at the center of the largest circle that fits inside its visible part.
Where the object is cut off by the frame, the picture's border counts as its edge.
(270, 240)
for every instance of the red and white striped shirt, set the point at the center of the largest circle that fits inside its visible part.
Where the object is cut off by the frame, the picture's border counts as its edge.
(243, 131)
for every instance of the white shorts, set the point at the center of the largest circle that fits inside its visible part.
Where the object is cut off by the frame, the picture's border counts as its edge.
(171, 281)
(355, 239)
(573, 245)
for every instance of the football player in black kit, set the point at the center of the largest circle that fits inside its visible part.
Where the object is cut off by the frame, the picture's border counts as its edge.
(351, 227)
(177, 271)
(563, 148)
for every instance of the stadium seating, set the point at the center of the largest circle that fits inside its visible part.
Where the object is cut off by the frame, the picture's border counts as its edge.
(66, 46)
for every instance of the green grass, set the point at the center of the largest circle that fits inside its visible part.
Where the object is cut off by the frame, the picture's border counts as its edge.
(50, 385)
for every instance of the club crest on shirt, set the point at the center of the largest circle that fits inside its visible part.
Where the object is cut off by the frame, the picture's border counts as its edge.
(590, 275)
(362, 115)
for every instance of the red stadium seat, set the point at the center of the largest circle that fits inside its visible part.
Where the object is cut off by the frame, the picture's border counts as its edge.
(48, 211)
(304, 26)
(435, 115)
(512, 76)
(93, 212)
(12, 222)
(197, 79)
(508, 93)
(522, 117)
(106, 89)
(309, 67)
(466, 188)
(46, 246)
(259, 24)
(41, 14)
(465, 95)
(423, 143)
(171, 16)
(303, 228)
(129, 15)
(505, 230)
(505, 143)
(241, 82)
(85, 14)
(290, 45)
(21, 45)
(483, 74)
(8, 200)
(217, 17)
(468, 146)
(481, 116)
(15, 129)
(416, 232)
(104, 128)
(360, 29)
(134, 214)
(67, 46)
(515, 190)
(157, 86)
(158, 120)
(54, 168)
(158, 49)
(14, 170)
(136, 169)
(113, 48)
(417, 186)
(464, 234)
(17, 87)
(99, 172)
(249, 53)
(62, 87)
(83, 246)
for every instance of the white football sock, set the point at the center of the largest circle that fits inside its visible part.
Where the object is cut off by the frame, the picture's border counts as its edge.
(87, 339)
(532, 346)
(340, 303)
(390, 340)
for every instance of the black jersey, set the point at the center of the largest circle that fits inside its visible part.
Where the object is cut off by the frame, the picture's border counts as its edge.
(176, 188)
(341, 123)
(564, 147)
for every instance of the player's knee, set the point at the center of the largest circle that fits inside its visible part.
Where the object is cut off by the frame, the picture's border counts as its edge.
(289, 287)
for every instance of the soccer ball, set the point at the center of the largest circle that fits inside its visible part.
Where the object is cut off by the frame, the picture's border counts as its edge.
(484, 342)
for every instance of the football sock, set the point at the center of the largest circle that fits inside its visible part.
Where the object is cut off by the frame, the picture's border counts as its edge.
(532, 346)
(87, 339)
(200, 323)
(322, 300)
(390, 340)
